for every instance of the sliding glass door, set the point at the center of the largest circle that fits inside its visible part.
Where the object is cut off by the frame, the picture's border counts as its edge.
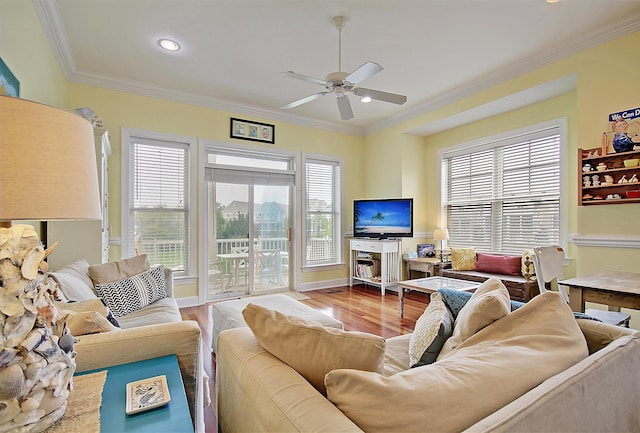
(248, 243)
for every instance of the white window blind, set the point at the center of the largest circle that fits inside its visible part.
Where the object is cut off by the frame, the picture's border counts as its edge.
(322, 212)
(159, 202)
(504, 196)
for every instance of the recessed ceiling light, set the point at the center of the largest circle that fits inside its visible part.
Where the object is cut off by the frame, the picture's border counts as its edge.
(169, 45)
(553, 1)
(366, 99)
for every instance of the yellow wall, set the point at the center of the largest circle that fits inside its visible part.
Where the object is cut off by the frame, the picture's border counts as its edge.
(123, 110)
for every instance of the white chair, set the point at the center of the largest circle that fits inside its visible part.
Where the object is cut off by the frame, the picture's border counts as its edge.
(548, 265)
(269, 267)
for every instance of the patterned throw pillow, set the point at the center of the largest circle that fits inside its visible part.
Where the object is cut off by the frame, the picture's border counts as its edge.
(430, 333)
(463, 259)
(133, 293)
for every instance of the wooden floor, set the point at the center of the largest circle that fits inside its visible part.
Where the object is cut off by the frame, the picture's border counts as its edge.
(359, 308)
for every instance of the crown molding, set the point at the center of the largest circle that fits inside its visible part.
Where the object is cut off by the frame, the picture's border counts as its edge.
(606, 241)
(523, 66)
(152, 91)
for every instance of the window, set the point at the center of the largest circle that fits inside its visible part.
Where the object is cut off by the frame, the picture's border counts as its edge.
(503, 195)
(157, 197)
(322, 217)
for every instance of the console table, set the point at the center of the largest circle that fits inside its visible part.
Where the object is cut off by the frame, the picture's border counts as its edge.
(385, 252)
(174, 417)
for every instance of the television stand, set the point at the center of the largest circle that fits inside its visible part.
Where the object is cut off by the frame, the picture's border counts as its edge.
(375, 261)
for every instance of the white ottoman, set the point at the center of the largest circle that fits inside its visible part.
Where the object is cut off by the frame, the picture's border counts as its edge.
(228, 314)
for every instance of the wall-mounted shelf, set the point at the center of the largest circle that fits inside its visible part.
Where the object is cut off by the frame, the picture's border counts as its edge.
(615, 168)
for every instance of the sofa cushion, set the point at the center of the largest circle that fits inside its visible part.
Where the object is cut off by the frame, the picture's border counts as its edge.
(114, 271)
(311, 349)
(432, 329)
(479, 377)
(489, 302)
(132, 293)
(164, 310)
(74, 282)
(463, 259)
(507, 265)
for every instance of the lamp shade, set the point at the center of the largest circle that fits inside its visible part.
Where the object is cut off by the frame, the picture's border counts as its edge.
(47, 163)
(441, 234)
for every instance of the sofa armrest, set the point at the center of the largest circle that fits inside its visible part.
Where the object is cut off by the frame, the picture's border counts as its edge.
(123, 346)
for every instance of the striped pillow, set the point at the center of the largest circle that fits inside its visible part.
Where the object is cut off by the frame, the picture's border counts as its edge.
(135, 292)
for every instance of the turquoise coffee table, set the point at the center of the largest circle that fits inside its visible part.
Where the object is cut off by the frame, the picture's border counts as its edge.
(174, 417)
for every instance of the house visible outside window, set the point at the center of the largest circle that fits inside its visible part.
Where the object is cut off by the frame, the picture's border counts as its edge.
(322, 238)
(504, 195)
(157, 197)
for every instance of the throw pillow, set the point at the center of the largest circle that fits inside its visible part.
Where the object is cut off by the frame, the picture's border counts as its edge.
(95, 304)
(495, 264)
(463, 259)
(135, 292)
(430, 333)
(528, 270)
(113, 271)
(74, 282)
(491, 369)
(488, 303)
(311, 349)
(86, 322)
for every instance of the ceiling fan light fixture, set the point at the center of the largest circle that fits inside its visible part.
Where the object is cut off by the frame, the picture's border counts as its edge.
(168, 44)
(366, 99)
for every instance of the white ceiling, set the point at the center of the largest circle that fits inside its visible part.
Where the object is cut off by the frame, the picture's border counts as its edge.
(433, 51)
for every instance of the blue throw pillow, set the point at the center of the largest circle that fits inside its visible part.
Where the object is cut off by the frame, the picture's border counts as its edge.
(455, 300)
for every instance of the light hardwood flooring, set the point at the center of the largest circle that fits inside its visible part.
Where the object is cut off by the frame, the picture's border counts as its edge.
(360, 308)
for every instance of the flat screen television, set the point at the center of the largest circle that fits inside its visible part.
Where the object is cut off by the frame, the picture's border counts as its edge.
(383, 218)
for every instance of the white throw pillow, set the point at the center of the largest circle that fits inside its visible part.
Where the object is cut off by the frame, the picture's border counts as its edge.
(74, 281)
(432, 330)
(135, 292)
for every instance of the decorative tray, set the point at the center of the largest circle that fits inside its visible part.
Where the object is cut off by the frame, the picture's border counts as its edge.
(147, 394)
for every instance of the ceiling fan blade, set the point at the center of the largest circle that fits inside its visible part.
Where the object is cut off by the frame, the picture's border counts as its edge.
(304, 100)
(291, 74)
(363, 72)
(346, 113)
(378, 95)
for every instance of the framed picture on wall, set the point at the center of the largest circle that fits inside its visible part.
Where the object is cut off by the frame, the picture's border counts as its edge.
(254, 131)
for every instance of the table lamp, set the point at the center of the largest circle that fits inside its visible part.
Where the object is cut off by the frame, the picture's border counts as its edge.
(441, 235)
(47, 172)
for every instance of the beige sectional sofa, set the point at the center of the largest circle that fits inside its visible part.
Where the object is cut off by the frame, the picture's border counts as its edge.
(152, 331)
(534, 369)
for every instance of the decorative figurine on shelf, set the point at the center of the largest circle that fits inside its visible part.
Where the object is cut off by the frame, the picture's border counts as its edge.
(623, 179)
(634, 179)
(586, 168)
(595, 180)
(608, 178)
(586, 180)
(601, 166)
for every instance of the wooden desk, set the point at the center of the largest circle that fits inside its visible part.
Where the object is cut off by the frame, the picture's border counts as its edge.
(617, 289)
(429, 265)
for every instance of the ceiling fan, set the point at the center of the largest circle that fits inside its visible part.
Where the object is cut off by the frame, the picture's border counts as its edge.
(342, 83)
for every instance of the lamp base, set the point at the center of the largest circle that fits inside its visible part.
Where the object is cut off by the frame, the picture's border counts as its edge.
(37, 359)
